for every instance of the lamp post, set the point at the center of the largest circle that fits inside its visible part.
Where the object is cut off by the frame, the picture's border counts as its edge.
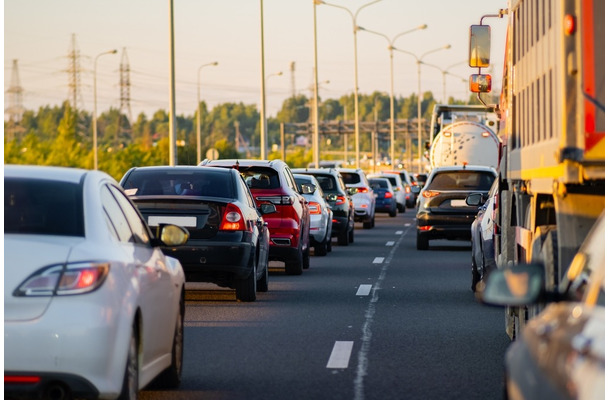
(391, 48)
(199, 109)
(265, 116)
(95, 104)
(446, 72)
(419, 62)
(355, 30)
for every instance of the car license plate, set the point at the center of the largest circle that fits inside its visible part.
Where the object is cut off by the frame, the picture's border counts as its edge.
(187, 222)
(458, 203)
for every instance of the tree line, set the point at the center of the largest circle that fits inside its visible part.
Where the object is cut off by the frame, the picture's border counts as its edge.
(62, 136)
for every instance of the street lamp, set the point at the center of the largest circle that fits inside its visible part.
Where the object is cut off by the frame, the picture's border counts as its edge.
(199, 109)
(446, 72)
(95, 104)
(419, 62)
(264, 151)
(355, 30)
(391, 48)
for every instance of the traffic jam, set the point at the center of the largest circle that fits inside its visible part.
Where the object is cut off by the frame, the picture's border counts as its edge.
(101, 276)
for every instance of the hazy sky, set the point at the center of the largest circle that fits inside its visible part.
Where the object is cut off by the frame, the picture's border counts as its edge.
(38, 34)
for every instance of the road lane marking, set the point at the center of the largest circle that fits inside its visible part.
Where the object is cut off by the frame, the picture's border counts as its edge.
(367, 328)
(364, 290)
(378, 260)
(339, 357)
(399, 232)
(390, 243)
(408, 224)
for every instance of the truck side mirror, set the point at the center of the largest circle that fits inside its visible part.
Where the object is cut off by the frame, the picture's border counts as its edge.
(480, 46)
(480, 83)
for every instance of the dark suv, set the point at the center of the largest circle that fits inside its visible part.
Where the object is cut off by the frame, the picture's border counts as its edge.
(339, 197)
(272, 181)
(442, 211)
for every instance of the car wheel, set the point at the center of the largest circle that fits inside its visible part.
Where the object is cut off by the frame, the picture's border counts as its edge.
(401, 208)
(329, 244)
(245, 289)
(262, 284)
(131, 377)
(320, 249)
(422, 242)
(393, 212)
(295, 266)
(343, 238)
(306, 258)
(172, 376)
(368, 224)
(373, 222)
(351, 235)
(475, 275)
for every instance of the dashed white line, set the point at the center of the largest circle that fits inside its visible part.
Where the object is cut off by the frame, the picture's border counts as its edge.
(399, 232)
(364, 290)
(390, 243)
(339, 357)
(408, 224)
(378, 260)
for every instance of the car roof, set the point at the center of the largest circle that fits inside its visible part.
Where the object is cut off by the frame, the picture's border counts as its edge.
(178, 168)
(309, 178)
(464, 168)
(332, 171)
(46, 172)
(247, 162)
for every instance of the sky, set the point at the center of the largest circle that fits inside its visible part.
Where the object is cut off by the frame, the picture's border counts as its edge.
(39, 35)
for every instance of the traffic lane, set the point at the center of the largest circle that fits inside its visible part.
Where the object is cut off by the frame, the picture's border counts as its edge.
(431, 338)
(280, 345)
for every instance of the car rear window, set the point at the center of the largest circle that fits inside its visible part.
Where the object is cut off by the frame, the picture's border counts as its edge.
(350, 178)
(462, 180)
(375, 183)
(203, 182)
(328, 183)
(43, 207)
(260, 177)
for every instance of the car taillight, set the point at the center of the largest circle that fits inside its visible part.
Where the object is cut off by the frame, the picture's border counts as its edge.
(429, 193)
(58, 280)
(314, 208)
(277, 200)
(340, 200)
(21, 379)
(407, 189)
(362, 190)
(233, 220)
(388, 195)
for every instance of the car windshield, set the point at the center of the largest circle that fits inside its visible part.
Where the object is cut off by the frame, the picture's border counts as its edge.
(350, 178)
(43, 207)
(203, 182)
(462, 180)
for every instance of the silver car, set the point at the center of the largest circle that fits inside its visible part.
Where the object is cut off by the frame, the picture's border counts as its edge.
(364, 197)
(320, 215)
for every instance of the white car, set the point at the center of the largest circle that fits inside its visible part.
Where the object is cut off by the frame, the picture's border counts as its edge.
(364, 197)
(92, 306)
(397, 186)
(320, 215)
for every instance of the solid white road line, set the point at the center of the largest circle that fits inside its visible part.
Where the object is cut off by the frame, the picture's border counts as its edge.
(378, 260)
(339, 357)
(390, 243)
(364, 290)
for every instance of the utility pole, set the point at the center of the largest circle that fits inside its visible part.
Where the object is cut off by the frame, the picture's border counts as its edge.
(74, 70)
(15, 104)
(125, 88)
(292, 80)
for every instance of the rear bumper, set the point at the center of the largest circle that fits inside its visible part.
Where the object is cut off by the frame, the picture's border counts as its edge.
(445, 226)
(340, 224)
(49, 385)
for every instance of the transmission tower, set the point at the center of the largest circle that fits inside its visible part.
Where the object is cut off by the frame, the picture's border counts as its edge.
(124, 130)
(292, 69)
(74, 71)
(15, 107)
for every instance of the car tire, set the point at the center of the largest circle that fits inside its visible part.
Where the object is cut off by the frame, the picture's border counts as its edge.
(373, 223)
(245, 289)
(401, 208)
(343, 238)
(306, 258)
(172, 376)
(295, 266)
(329, 244)
(422, 242)
(475, 275)
(320, 249)
(393, 212)
(368, 224)
(262, 284)
(351, 235)
(129, 391)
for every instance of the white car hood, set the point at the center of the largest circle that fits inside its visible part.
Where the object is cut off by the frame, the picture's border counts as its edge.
(23, 255)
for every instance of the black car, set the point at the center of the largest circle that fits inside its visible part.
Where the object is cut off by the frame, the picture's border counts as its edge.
(442, 212)
(339, 198)
(228, 243)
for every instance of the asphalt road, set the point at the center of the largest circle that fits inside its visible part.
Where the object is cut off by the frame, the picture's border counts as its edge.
(377, 319)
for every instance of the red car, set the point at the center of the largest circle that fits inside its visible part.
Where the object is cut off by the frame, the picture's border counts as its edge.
(272, 181)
